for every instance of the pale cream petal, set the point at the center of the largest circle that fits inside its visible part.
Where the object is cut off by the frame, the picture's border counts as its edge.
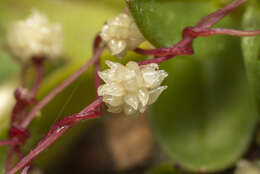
(115, 110)
(112, 65)
(151, 66)
(124, 74)
(129, 110)
(153, 78)
(143, 96)
(138, 75)
(136, 37)
(116, 46)
(155, 93)
(113, 100)
(132, 100)
(129, 74)
(108, 76)
(131, 85)
(105, 33)
(111, 89)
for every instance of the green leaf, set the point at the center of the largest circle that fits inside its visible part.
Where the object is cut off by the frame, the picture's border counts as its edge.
(251, 47)
(206, 117)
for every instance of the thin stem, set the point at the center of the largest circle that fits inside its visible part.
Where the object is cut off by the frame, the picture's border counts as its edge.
(26, 169)
(98, 80)
(96, 45)
(231, 32)
(18, 152)
(184, 47)
(157, 60)
(40, 74)
(9, 159)
(59, 88)
(214, 17)
(97, 42)
(58, 130)
(7, 142)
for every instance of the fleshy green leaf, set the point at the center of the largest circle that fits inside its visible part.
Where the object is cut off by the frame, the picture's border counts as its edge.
(251, 47)
(205, 119)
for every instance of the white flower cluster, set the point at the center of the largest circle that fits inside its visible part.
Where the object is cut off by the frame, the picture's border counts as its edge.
(121, 34)
(246, 167)
(131, 88)
(35, 36)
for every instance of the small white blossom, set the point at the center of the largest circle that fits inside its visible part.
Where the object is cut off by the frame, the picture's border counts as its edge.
(35, 36)
(246, 167)
(121, 34)
(131, 88)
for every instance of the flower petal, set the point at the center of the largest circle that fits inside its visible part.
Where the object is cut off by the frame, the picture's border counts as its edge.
(108, 76)
(129, 110)
(132, 100)
(113, 100)
(111, 89)
(153, 78)
(143, 96)
(155, 93)
(117, 46)
(115, 110)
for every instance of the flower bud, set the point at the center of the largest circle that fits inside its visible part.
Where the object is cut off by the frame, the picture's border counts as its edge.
(121, 34)
(131, 88)
(35, 37)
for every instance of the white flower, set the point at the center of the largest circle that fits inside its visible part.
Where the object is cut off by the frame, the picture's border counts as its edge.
(131, 88)
(34, 37)
(246, 167)
(121, 34)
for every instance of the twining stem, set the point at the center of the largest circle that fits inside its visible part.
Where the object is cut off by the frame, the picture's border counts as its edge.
(184, 47)
(23, 101)
(7, 142)
(59, 88)
(56, 131)
(9, 158)
(96, 45)
(26, 169)
(51, 138)
(220, 31)
(40, 74)
(213, 18)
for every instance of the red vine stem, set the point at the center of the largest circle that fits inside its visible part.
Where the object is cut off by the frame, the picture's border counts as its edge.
(59, 88)
(23, 101)
(9, 159)
(26, 169)
(7, 142)
(96, 45)
(216, 16)
(220, 31)
(40, 74)
(184, 47)
(56, 131)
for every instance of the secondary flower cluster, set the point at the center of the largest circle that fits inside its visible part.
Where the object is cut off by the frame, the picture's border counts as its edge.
(131, 88)
(34, 37)
(121, 34)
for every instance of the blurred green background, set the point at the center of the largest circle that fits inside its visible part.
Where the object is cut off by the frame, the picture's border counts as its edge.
(204, 121)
